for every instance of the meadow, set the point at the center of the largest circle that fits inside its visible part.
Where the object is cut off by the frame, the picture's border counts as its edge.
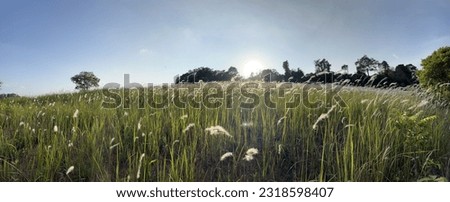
(377, 135)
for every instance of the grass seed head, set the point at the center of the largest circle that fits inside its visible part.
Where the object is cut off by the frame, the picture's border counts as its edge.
(225, 156)
(138, 174)
(321, 117)
(217, 130)
(75, 115)
(281, 120)
(70, 170)
(113, 146)
(422, 103)
(189, 127)
(139, 125)
(249, 155)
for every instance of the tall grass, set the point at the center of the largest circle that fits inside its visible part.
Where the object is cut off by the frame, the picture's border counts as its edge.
(380, 135)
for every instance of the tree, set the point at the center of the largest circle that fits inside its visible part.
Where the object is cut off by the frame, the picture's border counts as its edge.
(297, 75)
(405, 74)
(287, 71)
(436, 71)
(322, 65)
(366, 64)
(436, 68)
(231, 73)
(1, 85)
(383, 68)
(207, 74)
(344, 68)
(85, 80)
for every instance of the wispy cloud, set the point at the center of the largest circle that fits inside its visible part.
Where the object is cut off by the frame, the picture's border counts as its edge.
(395, 56)
(144, 51)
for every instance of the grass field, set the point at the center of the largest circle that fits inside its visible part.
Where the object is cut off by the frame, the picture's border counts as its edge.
(377, 135)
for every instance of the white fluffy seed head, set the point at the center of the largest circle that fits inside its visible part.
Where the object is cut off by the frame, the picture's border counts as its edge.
(75, 114)
(248, 158)
(70, 170)
(113, 146)
(189, 127)
(250, 154)
(217, 130)
(55, 128)
(321, 117)
(138, 174)
(225, 156)
(252, 151)
(280, 149)
(281, 120)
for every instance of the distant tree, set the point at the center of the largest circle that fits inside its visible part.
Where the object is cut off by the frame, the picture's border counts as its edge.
(287, 71)
(344, 68)
(383, 68)
(1, 85)
(366, 64)
(297, 75)
(404, 74)
(436, 68)
(322, 65)
(231, 73)
(85, 80)
(207, 74)
(267, 75)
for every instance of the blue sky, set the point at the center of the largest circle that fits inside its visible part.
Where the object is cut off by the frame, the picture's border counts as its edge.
(44, 43)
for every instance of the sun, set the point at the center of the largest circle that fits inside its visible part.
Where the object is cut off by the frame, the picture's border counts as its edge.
(252, 66)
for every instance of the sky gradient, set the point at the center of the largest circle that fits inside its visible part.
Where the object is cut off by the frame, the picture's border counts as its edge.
(44, 43)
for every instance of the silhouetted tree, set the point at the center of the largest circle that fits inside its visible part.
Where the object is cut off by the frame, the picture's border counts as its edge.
(366, 64)
(231, 73)
(383, 68)
(405, 74)
(1, 85)
(267, 75)
(85, 80)
(287, 71)
(344, 68)
(297, 75)
(322, 65)
(9, 95)
(207, 74)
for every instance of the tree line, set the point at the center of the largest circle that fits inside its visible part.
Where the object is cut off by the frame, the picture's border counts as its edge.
(385, 76)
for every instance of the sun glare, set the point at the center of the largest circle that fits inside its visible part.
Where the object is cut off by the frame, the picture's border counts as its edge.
(252, 66)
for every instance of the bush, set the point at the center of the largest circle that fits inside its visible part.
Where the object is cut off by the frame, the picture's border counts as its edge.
(436, 72)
